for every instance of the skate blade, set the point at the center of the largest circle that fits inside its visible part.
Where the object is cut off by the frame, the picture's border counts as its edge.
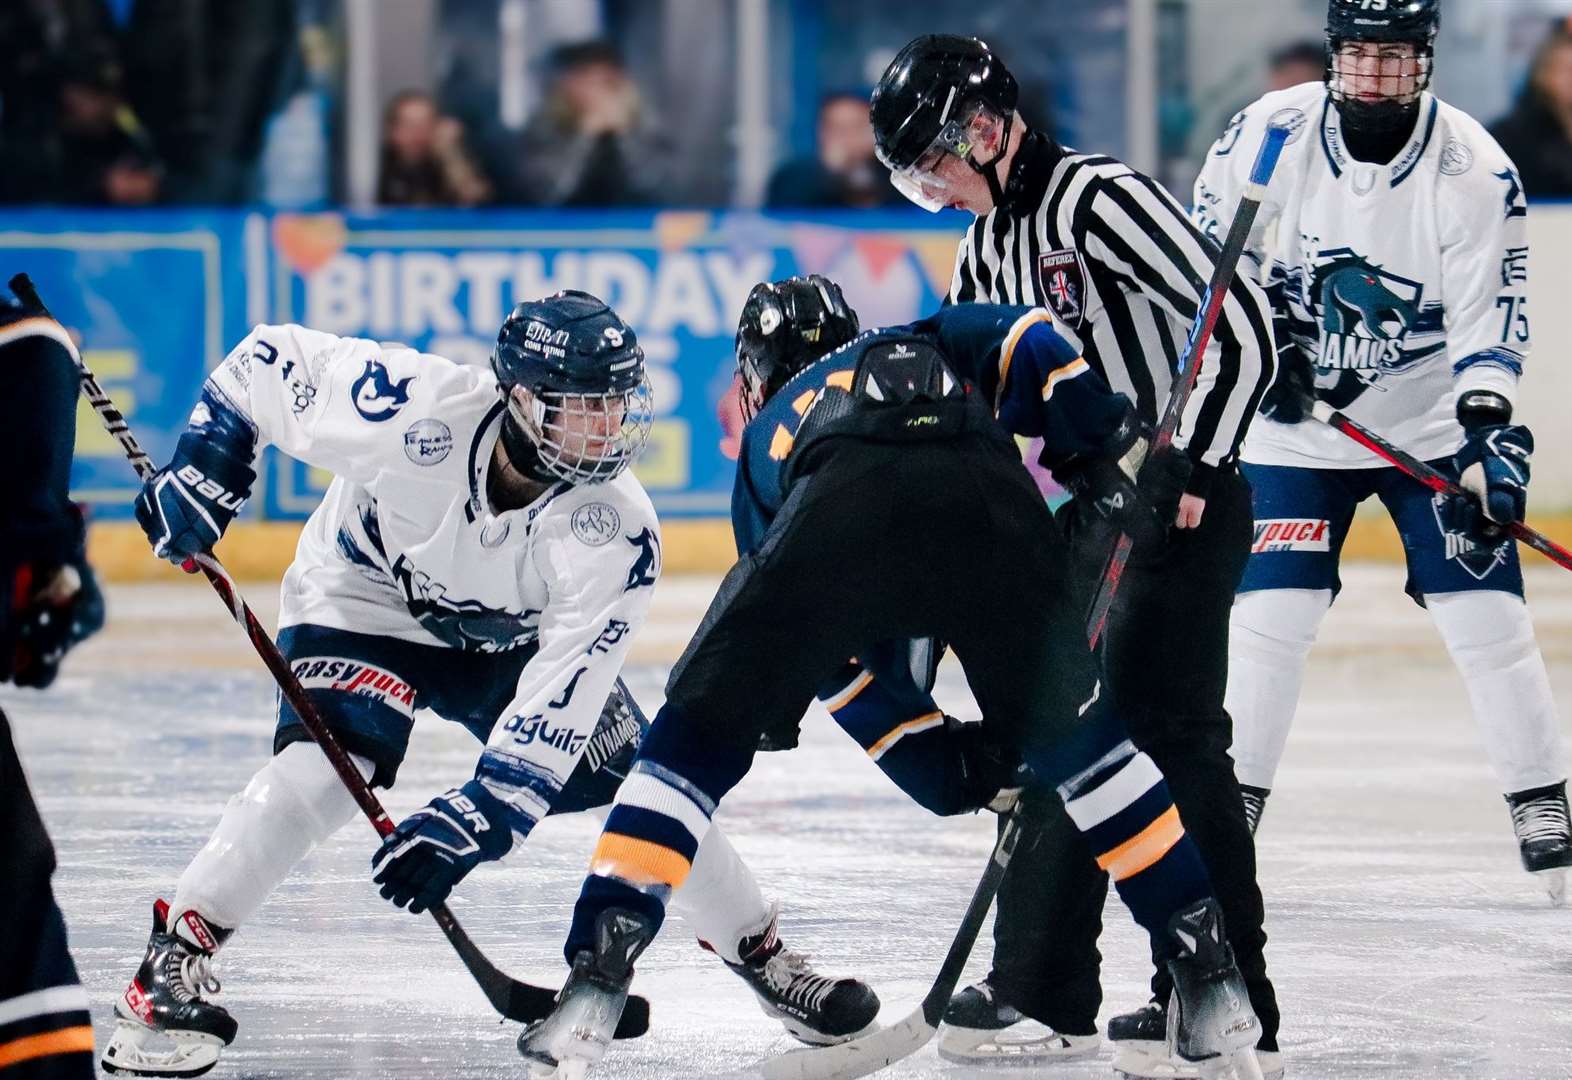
(1026, 1045)
(1240, 1065)
(1555, 883)
(810, 1037)
(137, 1050)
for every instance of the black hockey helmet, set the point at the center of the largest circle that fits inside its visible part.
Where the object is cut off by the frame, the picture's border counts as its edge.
(785, 326)
(1398, 82)
(573, 375)
(925, 104)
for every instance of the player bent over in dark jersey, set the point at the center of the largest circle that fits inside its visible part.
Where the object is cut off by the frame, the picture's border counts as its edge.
(877, 499)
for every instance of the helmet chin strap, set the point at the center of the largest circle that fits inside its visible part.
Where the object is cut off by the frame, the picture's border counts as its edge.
(521, 450)
(986, 168)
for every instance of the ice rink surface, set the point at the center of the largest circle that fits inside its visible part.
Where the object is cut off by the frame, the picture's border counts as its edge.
(1405, 941)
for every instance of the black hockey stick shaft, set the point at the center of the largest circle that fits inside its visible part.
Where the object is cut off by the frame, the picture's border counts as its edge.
(1195, 349)
(938, 998)
(512, 998)
(879, 1049)
(1427, 475)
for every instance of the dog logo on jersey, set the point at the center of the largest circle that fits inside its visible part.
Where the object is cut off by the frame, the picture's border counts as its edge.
(1477, 559)
(596, 524)
(646, 566)
(464, 624)
(1372, 322)
(1061, 283)
(376, 396)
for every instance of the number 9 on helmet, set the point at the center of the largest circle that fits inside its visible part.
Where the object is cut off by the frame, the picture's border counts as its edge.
(579, 400)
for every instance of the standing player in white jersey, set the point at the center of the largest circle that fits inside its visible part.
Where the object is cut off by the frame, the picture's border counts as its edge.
(1399, 272)
(482, 552)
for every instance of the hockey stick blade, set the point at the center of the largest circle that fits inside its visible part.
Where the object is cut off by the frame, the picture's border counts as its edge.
(514, 999)
(878, 1049)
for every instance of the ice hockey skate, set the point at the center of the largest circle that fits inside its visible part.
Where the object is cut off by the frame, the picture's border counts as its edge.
(1140, 1041)
(1210, 1020)
(163, 1024)
(1544, 836)
(816, 1009)
(569, 1042)
(981, 1028)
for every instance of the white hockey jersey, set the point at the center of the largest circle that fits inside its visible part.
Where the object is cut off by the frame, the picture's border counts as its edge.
(1406, 282)
(405, 545)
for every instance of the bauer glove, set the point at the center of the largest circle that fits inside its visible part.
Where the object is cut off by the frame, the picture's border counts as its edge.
(435, 847)
(186, 506)
(1492, 466)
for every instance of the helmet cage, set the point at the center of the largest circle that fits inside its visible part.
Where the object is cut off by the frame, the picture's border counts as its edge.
(1400, 78)
(570, 431)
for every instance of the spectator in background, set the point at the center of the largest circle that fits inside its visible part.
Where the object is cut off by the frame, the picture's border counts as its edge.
(594, 142)
(77, 142)
(1537, 133)
(105, 156)
(424, 160)
(844, 172)
(1301, 62)
(204, 75)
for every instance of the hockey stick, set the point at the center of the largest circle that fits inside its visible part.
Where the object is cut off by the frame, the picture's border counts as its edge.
(1432, 479)
(515, 1000)
(1200, 336)
(874, 1051)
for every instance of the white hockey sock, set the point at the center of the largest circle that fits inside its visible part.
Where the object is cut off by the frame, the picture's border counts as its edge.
(1491, 639)
(1270, 633)
(720, 900)
(292, 804)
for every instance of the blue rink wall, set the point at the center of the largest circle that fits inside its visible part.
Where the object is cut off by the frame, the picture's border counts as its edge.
(158, 297)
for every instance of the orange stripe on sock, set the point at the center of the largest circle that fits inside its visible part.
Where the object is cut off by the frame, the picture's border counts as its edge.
(71, 1040)
(638, 862)
(1144, 848)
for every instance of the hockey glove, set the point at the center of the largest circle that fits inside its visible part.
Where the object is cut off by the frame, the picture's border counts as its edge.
(993, 776)
(1292, 393)
(1492, 466)
(435, 847)
(52, 609)
(186, 506)
(1137, 491)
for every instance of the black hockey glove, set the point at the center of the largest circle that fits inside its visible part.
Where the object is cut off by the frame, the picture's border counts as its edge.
(435, 847)
(1292, 393)
(1492, 467)
(1137, 491)
(993, 775)
(52, 609)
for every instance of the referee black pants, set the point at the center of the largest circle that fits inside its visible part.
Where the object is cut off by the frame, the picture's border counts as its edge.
(44, 1028)
(1166, 660)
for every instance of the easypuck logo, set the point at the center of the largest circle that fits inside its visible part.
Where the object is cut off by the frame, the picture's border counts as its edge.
(1292, 534)
(355, 677)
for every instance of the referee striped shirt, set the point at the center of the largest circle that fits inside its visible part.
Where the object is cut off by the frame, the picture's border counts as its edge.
(1123, 270)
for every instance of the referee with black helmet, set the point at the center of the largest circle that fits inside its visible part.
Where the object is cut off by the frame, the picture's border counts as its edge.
(1115, 258)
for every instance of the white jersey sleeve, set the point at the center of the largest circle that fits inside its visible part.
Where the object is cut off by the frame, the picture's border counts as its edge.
(1483, 223)
(1226, 174)
(599, 553)
(326, 400)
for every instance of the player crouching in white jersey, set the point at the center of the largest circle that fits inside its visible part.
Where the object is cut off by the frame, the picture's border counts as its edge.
(1399, 267)
(482, 552)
